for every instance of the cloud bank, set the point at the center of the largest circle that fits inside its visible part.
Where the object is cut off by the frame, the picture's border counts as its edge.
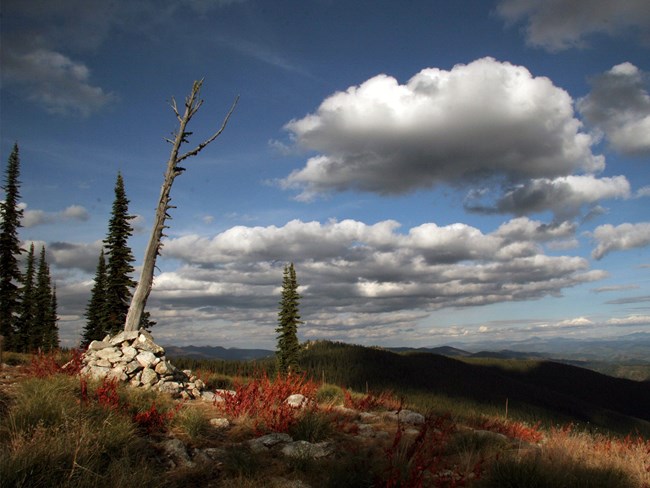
(359, 279)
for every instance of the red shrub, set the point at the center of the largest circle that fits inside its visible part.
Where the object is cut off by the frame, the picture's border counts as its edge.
(421, 462)
(371, 401)
(43, 365)
(264, 400)
(152, 420)
(514, 430)
(106, 394)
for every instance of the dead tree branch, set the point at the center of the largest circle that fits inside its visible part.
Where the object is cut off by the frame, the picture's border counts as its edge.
(192, 104)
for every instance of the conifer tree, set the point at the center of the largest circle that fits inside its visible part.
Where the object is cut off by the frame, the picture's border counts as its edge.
(44, 332)
(288, 346)
(52, 332)
(27, 306)
(120, 257)
(96, 310)
(10, 276)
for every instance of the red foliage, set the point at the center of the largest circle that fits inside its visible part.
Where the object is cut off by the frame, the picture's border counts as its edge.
(264, 400)
(514, 430)
(43, 365)
(370, 402)
(422, 461)
(73, 367)
(106, 394)
(153, 420)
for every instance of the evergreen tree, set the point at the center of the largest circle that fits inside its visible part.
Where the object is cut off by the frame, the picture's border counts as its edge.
(52, 332)
(120, 257)
(27, 306)
(44, 332)
(10, 276)
(96, 310)
(288, 346)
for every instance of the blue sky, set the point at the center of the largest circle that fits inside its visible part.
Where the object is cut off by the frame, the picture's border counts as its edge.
(437, 171)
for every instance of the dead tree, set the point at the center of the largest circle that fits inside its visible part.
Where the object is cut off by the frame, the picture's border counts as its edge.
(143, 288)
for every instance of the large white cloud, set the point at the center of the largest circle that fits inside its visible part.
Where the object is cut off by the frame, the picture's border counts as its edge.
(561, 24)
(619, 105)
(621, 237)
(484, 120)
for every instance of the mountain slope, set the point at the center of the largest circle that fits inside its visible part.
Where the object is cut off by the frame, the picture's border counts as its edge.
(559, 389)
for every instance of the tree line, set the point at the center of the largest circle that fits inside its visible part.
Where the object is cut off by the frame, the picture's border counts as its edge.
(28, 305)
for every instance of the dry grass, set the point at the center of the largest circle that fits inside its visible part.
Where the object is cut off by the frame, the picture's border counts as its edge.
(57, 432)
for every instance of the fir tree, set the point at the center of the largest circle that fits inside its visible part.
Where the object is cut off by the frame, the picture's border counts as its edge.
(10, 276)
(43, 334)
(27, 306)
(120, 257)
(288, 346)
(51, 341)
(96, 310)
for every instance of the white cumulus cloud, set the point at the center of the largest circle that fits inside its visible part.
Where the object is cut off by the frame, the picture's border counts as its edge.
(619, 105)
(621, 237)
(486, 119)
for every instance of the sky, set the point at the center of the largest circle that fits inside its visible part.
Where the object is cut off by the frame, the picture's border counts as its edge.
(437, 171)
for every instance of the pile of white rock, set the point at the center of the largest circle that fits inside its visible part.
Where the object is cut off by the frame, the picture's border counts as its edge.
(134, 357)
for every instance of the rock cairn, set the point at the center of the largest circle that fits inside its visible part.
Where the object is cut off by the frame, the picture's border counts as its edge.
(134, 357)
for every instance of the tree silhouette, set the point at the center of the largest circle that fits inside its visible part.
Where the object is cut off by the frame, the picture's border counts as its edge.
(96, 310)
(288, 347)
(120, 257)
(10, 275)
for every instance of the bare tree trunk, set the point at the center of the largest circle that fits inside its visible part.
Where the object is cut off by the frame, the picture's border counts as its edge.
(142, 290)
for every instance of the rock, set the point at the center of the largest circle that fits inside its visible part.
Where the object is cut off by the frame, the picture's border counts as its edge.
(149, 377)
(98, 345)
(103, 363)
(307, 450)
(170, 387)
(145, 342)
(268, 441)
(297, 400)
(124, 336)
(215, 453)
(109, 353)
(220, 423)
(133, 367)
(146, 358)
(407, 417)
(412, 418)
(129, 353)
(176, 451)
(208, 396)
(163, 367)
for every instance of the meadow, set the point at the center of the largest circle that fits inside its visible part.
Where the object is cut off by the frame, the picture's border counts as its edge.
(57, 429)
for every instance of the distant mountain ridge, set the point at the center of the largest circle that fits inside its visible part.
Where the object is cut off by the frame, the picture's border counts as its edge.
(217, 352)
(598, 354)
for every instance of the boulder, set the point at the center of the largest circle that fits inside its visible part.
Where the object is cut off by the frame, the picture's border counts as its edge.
(307, 450)
(297, 400)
